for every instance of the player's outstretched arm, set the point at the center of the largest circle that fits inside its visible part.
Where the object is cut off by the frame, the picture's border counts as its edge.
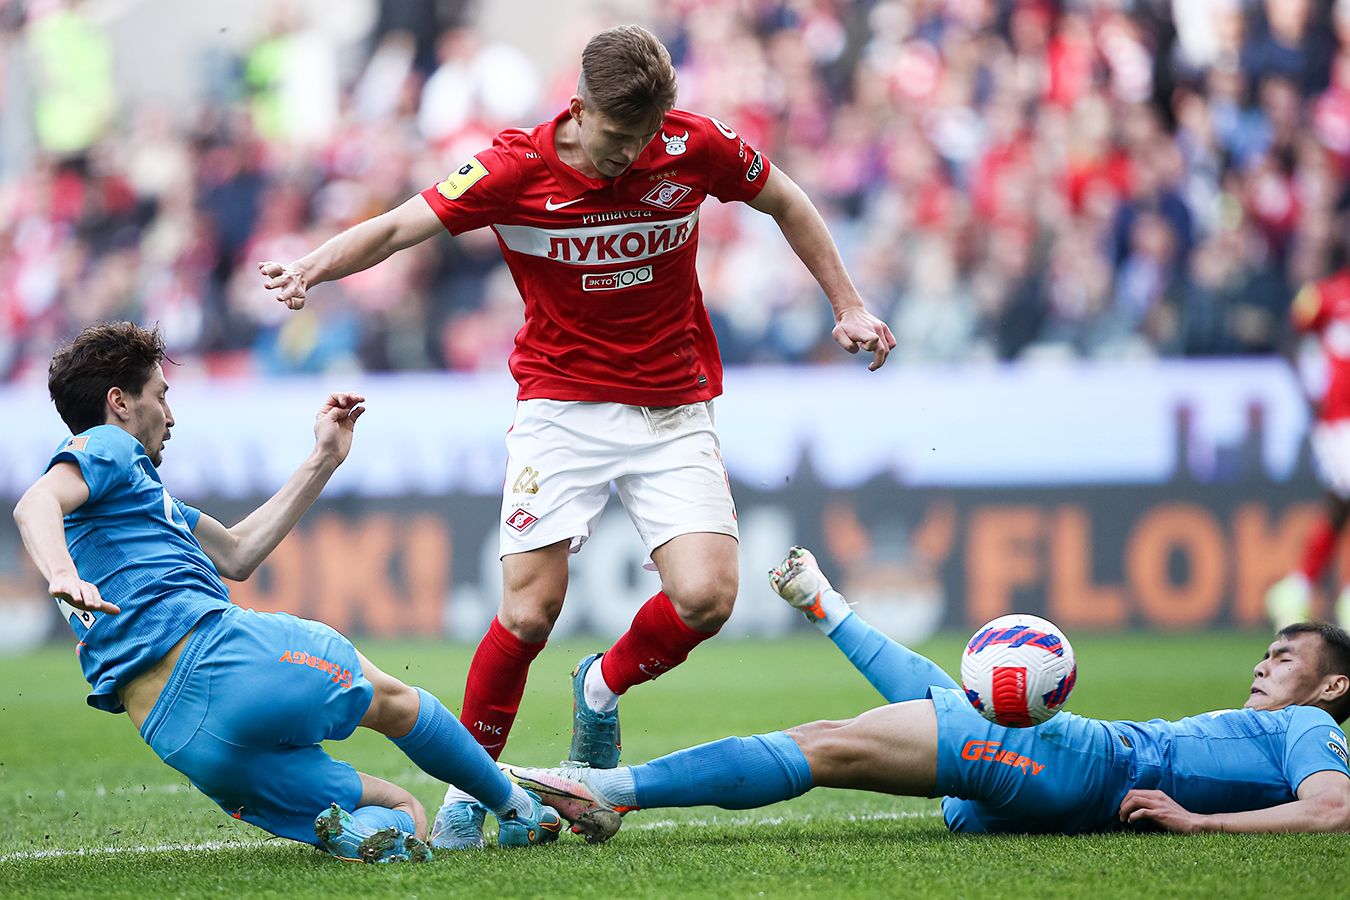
(1323, 805)
(358, 248)
(799, 220)
(39, 514)
(239, 550)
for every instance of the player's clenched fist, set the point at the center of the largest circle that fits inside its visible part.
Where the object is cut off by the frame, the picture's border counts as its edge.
(287, 281)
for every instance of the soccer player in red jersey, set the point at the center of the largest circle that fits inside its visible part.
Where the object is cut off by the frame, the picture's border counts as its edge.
(1323, 308)
(596, 213)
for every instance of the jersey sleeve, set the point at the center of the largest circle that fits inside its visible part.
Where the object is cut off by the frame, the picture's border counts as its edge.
(735, 170)
(191, 514)
(478, 192)
(103, 463)
(1308, 312)
(1314, 743)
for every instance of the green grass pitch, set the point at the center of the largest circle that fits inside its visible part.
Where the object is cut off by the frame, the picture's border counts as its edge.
(87, 810)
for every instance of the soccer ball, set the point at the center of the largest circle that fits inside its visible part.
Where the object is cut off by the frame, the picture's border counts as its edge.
(1018, 670)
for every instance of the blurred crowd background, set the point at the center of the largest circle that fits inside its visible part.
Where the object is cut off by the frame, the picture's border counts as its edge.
(1007, 179)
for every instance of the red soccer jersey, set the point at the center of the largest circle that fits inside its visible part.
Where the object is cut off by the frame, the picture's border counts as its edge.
(1323, 308)
(613, 310)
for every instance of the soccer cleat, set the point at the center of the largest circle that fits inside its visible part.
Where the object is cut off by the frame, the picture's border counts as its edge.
(459, 826)
(565, 789)
(799, 581)
(595, 735)
(347, 839)
(542, 827)
(1289, 600)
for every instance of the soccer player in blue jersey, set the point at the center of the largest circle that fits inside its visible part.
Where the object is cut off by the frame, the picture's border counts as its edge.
(1277, 764)
(237, 701)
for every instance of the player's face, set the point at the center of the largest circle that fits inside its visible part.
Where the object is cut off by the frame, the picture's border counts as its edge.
(151, 417)
(610, 145)
(1289, 674)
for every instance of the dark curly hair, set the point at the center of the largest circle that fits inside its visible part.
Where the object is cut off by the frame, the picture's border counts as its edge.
(103, 356)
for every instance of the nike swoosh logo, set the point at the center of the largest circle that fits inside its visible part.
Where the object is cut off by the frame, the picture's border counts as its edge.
(551, 206)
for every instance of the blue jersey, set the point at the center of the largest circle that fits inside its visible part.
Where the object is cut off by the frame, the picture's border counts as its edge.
(135, 542)
(1234, 759)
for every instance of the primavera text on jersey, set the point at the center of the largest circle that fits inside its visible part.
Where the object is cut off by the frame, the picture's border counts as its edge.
(613, 309)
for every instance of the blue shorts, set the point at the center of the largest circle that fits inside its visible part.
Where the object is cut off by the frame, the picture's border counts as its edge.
(245, 708)
(1064, 776)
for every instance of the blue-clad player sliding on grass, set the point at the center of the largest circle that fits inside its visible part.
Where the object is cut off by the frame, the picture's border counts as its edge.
(1277, 764)
(237, 701)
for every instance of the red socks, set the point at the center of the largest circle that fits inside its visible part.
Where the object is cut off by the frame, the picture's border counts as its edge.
(495, 685)
(1320, 545)
(656, 642)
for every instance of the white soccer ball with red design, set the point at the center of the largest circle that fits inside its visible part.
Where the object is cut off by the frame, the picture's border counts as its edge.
(1018, 670)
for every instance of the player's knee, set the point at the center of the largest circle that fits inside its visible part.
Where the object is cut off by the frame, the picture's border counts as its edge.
(703, 602)
(394, 708)
(530, 624)
(827, 749)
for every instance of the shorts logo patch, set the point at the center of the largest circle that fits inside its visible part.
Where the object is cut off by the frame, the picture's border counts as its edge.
(527, 482)
(615, 281)
(77, 444)
(520, 520)
(666, 195)
(756, 167)
(462, 179)
(336, 673)
(989, 751)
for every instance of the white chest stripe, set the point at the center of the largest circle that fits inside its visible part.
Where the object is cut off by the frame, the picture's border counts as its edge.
(597, 244)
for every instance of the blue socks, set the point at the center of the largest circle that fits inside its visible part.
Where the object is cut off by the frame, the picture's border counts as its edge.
(377, 817)
(893, 669)
(733, 773)
(444, 749)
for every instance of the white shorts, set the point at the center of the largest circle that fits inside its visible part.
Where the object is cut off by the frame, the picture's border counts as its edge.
(666, 463)
(1331, 448)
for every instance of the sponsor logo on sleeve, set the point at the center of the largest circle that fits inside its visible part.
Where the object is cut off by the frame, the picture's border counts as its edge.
(721, 126)
(666, 195)
(1337, 746)
(675, 144)
(616, 281)
(521, 520)
(463, 178)
(77, 444)
(756, 167)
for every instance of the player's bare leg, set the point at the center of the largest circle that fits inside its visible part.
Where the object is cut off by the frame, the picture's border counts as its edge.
(431, 737)
(891, 750)
(699, 573)
(533, 586)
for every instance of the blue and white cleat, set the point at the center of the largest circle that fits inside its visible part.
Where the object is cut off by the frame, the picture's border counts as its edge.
(459, 826)
(542, 827)
(566, 789)
(799, 581)
(347, 839)
(595, 735)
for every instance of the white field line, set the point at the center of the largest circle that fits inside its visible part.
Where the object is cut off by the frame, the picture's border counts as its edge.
(136, 850)
(211, 846)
